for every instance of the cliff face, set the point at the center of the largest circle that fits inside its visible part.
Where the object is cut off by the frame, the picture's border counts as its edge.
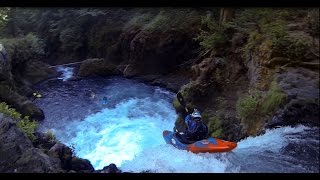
(19, 155)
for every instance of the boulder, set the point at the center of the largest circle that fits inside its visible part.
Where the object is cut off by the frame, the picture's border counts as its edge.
(112, 168)
(63, 153)
(17, 153)
(37, 71)
(81, 165)
(301, 86)
(98, 67)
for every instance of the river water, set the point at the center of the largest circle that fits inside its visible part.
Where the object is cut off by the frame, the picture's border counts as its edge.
(120, 121)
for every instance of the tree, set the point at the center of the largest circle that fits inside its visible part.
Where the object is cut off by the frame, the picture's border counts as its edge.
(226, 15)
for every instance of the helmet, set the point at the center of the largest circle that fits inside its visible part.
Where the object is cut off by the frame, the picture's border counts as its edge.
(196, 114)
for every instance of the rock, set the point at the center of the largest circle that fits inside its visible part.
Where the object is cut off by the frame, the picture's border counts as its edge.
(238, 39)
(63, 153)
(301, 86)
(97, 66)
(31, 110)
(20, 103)
(81, 165)
(17, 153)
(37, 71)
(203, 69)
(112, 168)
(146, 52)
(43, 141)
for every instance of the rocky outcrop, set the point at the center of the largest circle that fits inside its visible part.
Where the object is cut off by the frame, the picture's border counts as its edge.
(144, 52)
(37, 71)
(17, 153)
(20, 103)
(98, 67)
(112, 168)
(68, 160)
(81, 165)
(301, 86)
(63, 153)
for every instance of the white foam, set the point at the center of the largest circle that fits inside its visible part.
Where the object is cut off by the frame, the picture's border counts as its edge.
(67, 72)
(119, 134)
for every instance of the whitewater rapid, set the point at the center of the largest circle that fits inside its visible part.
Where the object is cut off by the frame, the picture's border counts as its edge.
(120, 121)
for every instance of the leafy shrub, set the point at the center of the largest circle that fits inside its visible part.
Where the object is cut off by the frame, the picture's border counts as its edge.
(214, 126)
(5, 109)
(25, 124)
(28, 127)
(274, 98)
(213, 34)
(170, 18)
(275, 41)
(50, 135)
(247, 106)
(23, 49)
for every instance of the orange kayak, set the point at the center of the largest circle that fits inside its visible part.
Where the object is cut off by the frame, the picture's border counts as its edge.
(210, 145)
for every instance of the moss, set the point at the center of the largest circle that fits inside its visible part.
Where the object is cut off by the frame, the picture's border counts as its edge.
(274, 98)
(215, 127)
(176, 104)
(218, 133)
(247, 106)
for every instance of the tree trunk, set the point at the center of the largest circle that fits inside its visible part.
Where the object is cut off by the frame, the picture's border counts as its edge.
(226, 15)
(11, 22)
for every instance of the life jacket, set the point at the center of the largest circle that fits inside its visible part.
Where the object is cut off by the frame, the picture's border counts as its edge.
(200, 132)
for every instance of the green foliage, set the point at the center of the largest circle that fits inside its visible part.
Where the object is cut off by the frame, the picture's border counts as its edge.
(274, 39)
(25, 124)
(217, 76)
(171, 19)
(251, 19)
(213, 34)
(23, 49)
(313, 21)
(139, 21)
(71, 38)
(28, 127)
(253, 43)
(5, 109)
(252, 108)
(247, 106)
(4, 11)
(50, 135)
(217, 133)
(214, 126)
(295, 49)
(274, 98)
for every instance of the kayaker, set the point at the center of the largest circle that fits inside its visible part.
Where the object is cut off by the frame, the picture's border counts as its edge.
(196, 129)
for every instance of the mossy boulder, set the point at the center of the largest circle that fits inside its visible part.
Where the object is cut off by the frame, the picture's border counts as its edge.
(97, 66)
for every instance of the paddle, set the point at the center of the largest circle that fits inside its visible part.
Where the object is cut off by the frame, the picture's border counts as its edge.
(181, 101)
